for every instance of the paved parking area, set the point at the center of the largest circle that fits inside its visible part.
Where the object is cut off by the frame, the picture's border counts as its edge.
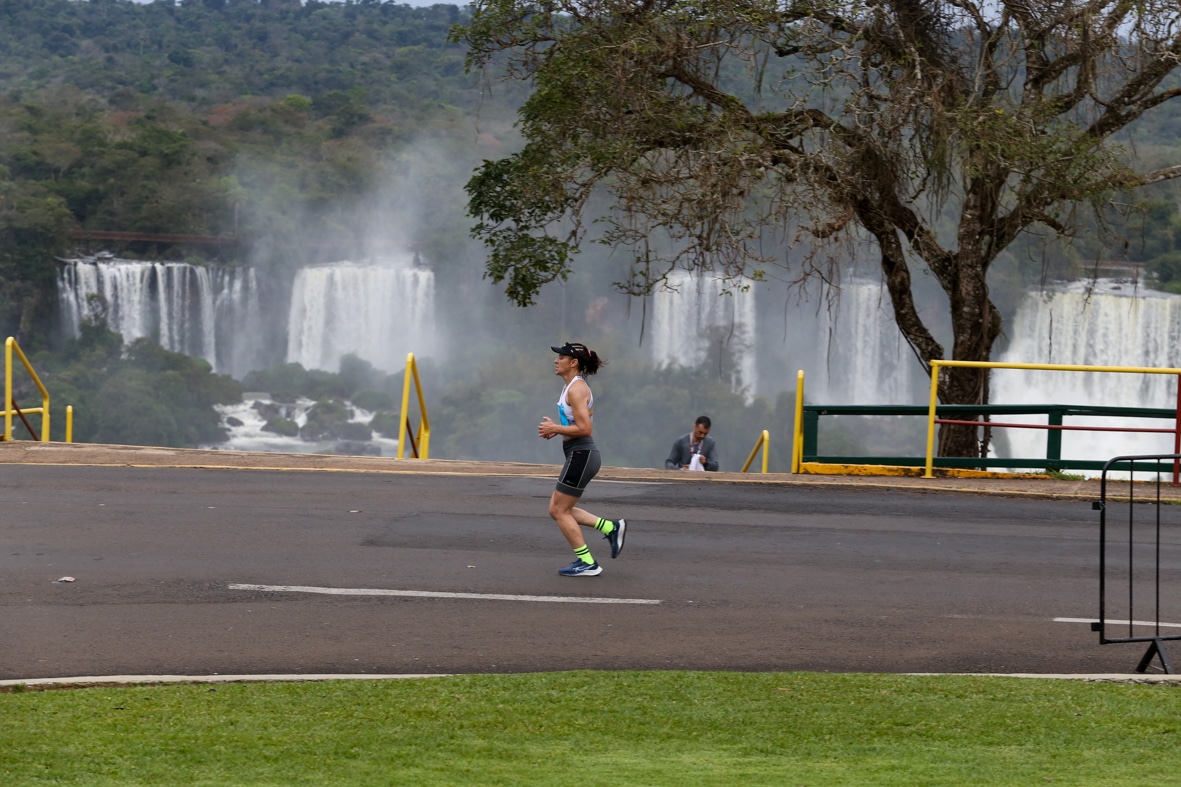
(215, 564)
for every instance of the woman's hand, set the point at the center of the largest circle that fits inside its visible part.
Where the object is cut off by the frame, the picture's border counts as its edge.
(547, 428)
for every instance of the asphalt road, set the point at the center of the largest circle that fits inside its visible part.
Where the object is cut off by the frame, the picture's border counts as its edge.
(713, 575)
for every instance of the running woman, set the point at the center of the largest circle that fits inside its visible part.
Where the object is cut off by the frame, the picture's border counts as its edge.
(576, 410)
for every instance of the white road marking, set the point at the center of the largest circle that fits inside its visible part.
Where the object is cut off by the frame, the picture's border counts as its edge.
(550, 478)
(436, 594)
(619, 481)
(1120, 622)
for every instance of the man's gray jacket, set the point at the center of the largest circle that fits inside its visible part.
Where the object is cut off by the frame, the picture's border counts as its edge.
(680, 455)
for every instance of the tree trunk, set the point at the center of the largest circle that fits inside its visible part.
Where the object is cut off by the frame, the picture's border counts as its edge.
(975, 321)
(976, 324)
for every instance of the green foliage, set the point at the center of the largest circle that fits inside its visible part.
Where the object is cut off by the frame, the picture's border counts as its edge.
(356, 375)
(206, 53)
(34, 226)
(1161, 244)
(288, 381)
(385, 424)
(358, 381)
(515, 200)
(140, 394)
(132, 410)
(1167, 269)
(281, 426)
(325, 420)
(284, 381)
(297, 103)
(1154, 229)
(195, 373)
(355, 432)
(373, 401)
(270, 122)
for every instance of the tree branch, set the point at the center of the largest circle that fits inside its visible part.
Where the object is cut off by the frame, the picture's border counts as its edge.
(1168, 173)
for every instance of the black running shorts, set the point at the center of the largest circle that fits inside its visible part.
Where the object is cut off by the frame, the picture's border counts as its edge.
(582, 463)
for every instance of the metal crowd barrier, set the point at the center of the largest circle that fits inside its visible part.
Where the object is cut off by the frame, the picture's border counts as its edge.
(1139, 545)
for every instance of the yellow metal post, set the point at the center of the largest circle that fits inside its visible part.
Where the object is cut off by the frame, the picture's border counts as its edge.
(69, 423)
(10, 407)
(930, 470)
(424, 424)
(405, 403)
(764, 441)
(9, 345)
(8, 388)
(797, 441)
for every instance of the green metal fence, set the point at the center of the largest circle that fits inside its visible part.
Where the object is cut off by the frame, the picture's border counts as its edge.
(1055, 423)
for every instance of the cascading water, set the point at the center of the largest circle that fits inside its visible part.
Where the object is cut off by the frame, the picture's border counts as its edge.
(856, 353)
(204, 311)
(1105, 323)
(693, 313)
(247, 423)
(379, 311)
(851, 353)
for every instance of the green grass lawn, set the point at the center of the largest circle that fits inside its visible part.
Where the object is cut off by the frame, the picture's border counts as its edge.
(600, 728)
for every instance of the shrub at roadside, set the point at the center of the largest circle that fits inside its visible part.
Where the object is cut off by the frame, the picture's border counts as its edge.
(137, 394)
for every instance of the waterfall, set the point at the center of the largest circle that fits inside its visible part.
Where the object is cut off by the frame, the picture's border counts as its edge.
(379, 311)
(851, 352)
(203, 311)
(1099, 325)
(858, 354)
(693, 312)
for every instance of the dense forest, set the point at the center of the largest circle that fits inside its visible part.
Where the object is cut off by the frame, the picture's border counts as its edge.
(231, 118)
(271, 125)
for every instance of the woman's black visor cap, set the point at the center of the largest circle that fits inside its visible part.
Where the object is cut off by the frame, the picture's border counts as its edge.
(570, 349)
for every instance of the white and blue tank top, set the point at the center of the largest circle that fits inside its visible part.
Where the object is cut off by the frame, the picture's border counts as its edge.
(566, 412)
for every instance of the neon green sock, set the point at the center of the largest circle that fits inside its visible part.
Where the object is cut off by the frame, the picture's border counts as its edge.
(583, 554)
(605, 526)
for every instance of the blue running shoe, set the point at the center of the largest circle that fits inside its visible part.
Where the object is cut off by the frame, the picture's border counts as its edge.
(580, 569)
(616, 537)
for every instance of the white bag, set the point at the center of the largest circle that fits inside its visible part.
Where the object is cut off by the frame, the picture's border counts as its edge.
(697, 463)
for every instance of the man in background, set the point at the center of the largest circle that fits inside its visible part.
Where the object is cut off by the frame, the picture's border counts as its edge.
(694, 451)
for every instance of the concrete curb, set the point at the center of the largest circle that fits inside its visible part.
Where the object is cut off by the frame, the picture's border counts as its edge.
(148, 680)
(142, 680)
(1114, 677)
(96, 455)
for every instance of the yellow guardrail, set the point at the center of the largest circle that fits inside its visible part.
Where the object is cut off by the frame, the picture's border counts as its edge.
(420, 447)
(764, 441)
(1053, 367)
(10, 408)
(797, 438)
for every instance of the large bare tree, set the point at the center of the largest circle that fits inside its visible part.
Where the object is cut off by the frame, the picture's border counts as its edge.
(940, 130)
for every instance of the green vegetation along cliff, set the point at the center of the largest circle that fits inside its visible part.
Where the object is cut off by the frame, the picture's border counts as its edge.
(269, 122)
